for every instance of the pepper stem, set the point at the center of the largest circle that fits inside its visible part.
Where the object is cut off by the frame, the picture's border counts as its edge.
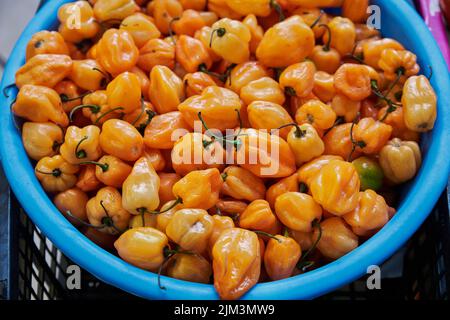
(327, 46)
(220, 33)
(55, 172)
(234, 142)
(106, 113)
(103, 166)
(299, 133)
(65, 98)
(94, 109)
(69, 213)
(169, 254)
(303, 263)
(276, 6)
(173, 205)
(262, 233)
(355, 143)
(80, 154)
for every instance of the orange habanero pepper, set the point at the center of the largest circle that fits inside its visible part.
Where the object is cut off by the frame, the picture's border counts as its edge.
(81, 145)
(191, 54)
(156, 52)
(236, 262)
(56, 174)
(264, 89)
(124, 92)
(343, 35)
(41, 139)
(46, 42)
(353, 81)
(241, 184)
(195, 83)
(164, 13)
(318, 114)
(166, 90)
(75, 31)
(371, 135)
(288, 184)
(189, 267)
(141, 28)
(88, 74)
(105, 10)
(298, 79)
(281, 257)
(158, 133)
(258, 216)
(73, 201)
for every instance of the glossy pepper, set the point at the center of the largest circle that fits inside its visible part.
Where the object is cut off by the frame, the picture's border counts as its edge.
(189, 267)
(121, 139)
(293, 36)
(338, 142)
(81, 145)
(167, 180)
(370, 173)
(281, 257)
(396, 119)
(355, 10)
(265, 155)
(56, 174)
(189, 22)
(268, 115)
(244, 73)
(41, 139)
(46, 42)
(324, 86)
(298, 79)
(256, 31)
(95, 107)
(196, 151)
(75, 30)
(370, 214)
(353, 81)
(156, 52)
(141, 28)
(309, 170)
(191, 54)
(140, 189)
(394, 62)
(164, 12)
(236, 262)
(241, 184)
(342, 33)
(105, 211)
(400, 160)
(125, 92)
(143, 220)
(40, 104)
(371, 50)
(230, 40)
(325, 57)
(112, 171)
(44, 70)
(88, 74)
(297, 211)
(371, 135)
(87, 181)
(264, 89)
(69, 93)
(199, 189)
(73, 200)
(195, 83)
(258, 216)
(105, 10)
(166, 90)
(337, 238)
(316, 113)
(117, 52)
(142, 247)
(221, 223)
(288, 184)
(218, 107)
(158, 134)
(190, 229)
(305, 143)
(336, 186)
(419, 104)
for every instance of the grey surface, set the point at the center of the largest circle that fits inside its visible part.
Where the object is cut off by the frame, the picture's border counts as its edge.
(14, 16)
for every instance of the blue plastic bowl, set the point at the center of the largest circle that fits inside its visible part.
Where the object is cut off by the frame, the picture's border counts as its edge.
(399, 21)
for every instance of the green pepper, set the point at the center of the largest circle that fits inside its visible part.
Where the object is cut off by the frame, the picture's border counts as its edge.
(370, 173)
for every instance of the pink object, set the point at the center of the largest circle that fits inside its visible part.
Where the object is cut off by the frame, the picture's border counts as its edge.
(433, 17)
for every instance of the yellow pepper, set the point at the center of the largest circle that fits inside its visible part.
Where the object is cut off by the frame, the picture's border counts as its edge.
(218, 107)
(69, 28)
(241, 184)
(105, 10)
(190, 229)
(56, 174)
(268, 115)
(256, 31)
(189, 267)
(305, 143)
(298, 79)
(145, 220)
(140, 189)
(400, 160)
(297, 211)
(166, 215)
(44, 42)
(308, 171)
(343, 35)
(166, 90)
(371, 214)
(40, 104)
(258, 216)
(121, 139)
(88, 74)
(336, 187)
(199, 189)
(281, 257)
(81, 145)
(260, 8)
(74, 201)
(105, 211)
(236, 262)
(263, 89)
(419, 104)
(41, 139)
(337, 238)
(286, 43)
(44, 70)
(230, 40)
(142, 247)
(288, 184)
(141, 28)
(221, 223)
(125, 92)
(244, 73)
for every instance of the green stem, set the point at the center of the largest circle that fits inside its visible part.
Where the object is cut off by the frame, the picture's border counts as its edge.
(80, 154)
(303, 263)
(327, 46)
(55, 172)
(106, 113)
(299, 133)
(103, 166)
(220, 33)
(274, 5)
(94, 109)
(262, 233)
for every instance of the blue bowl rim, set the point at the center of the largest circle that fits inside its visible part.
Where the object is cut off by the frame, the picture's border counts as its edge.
(424, 192)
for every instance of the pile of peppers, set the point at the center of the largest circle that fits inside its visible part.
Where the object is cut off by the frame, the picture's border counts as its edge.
(102, 96)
